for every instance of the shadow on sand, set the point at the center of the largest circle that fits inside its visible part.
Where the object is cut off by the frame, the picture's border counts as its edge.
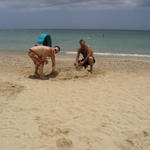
(48, 76)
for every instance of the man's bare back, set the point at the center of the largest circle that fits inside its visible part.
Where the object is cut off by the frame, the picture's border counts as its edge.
(43, 51)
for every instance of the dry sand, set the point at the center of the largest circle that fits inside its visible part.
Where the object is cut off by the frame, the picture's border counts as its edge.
(76, 110)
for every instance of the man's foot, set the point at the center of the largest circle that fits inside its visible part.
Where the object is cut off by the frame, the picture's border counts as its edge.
(55, 72)
(36, 75)
(90, 71)
(44, 78)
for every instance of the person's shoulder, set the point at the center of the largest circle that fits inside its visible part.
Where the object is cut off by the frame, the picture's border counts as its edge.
(89, 47)
(52, 49)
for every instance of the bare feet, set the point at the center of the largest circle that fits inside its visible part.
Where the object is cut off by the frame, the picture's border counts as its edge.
(55, 72)
(36, 75)
(43, 78)
(90, 71)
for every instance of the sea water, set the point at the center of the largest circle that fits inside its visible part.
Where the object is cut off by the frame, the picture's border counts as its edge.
(103, 42)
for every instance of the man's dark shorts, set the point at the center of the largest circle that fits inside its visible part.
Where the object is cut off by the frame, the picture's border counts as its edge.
(85, 65)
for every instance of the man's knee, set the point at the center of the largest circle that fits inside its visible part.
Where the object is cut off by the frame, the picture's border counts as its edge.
(90, 59)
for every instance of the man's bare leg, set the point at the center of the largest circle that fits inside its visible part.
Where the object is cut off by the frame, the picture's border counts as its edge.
(41, 72)
(36, 66)
(36, 70)
(91, 62)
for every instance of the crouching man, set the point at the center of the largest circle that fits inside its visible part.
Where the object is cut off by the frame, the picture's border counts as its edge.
(88, 58)
(39, 56)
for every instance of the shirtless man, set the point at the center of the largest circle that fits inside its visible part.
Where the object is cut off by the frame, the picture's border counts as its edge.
(39, 56)
(88, 58)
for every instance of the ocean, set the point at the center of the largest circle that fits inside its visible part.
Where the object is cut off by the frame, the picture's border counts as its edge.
(103, 42)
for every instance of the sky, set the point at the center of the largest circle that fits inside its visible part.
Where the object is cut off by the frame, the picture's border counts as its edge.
(75, 14)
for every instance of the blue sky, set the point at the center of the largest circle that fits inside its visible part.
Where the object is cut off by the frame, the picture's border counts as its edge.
(93, 14)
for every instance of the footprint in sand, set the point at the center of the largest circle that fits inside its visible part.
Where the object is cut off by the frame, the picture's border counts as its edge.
(140, 141)
(50, 128)
(64, 144)
(53, 131)
(8, 89)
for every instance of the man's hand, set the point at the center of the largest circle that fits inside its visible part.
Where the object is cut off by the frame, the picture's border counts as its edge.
(76, 64)
(90, 71)
(43, 77)
(81, 63)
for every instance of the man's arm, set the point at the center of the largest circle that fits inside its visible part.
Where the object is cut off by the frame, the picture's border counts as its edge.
(53, 62)
(78, 55)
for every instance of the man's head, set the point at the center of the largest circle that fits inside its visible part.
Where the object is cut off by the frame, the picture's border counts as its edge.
(57, 49)
(82, 43)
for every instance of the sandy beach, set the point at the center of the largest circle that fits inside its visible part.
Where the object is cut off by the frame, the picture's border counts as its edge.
(75, 110)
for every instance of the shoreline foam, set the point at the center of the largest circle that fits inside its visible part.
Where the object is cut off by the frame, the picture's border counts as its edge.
(69, 53)
(114, 54)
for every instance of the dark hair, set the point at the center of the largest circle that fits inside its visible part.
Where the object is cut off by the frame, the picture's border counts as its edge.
(57, 47)
(82, 41)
